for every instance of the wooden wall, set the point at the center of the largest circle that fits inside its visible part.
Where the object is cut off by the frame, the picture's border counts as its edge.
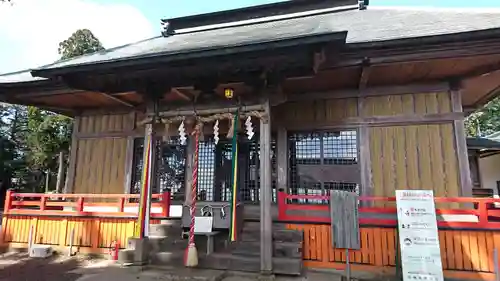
(411, 143)
(101, 151)
(406, 141)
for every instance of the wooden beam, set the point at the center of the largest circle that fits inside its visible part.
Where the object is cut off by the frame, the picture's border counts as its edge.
(461, 146)
(117, 99)
(43, 93)
(377, 121)
(364, 153)
(106, 111)
(110, 134)
(354, 56)
(480, 71)
(189, 170)
(70, 181)
(180, 94)
(486, 98)
(365, 75)
(373, 91)
(129, 162)
(282, 159)
(201, 110)
(266, 227)
(318, 59)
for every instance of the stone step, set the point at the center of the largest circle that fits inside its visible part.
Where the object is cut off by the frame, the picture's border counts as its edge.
(126, 256)
(172, 258)
(255, 225)
(280, 249)
(158, 244)
(279, 235)
(224, 261)
(170, 228)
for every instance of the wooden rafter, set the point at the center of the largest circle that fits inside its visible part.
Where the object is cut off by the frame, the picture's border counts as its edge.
(117, 99)
(481, 71)
(363, 78)
(319, 59)
(180, 93)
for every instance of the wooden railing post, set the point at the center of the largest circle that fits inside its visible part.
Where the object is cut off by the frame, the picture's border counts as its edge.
(483, 213)
(281, 204)
(121, 206)
(43, 200)
(79, 204)
(166, 202)
(8, 201)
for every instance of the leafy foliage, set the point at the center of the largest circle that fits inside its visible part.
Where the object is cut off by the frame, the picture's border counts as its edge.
(79, 43)
(31, 139)
(484, 121)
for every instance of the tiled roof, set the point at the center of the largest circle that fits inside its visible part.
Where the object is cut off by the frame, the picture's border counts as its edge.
(362, 26)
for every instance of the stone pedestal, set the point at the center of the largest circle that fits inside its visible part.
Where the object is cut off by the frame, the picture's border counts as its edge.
(141, 251)
(266, 276)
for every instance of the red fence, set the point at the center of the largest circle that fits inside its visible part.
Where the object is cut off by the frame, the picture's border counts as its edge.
(467, 245)
(482, 209)
(82, 205)
(90, 222)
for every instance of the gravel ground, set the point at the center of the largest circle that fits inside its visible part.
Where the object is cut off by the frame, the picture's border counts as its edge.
(19, 267)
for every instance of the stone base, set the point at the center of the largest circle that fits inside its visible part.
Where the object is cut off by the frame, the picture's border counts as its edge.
(137, 252)
(266, 276)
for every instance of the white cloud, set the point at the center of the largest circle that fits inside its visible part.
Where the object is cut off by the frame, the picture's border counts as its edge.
(30, 30)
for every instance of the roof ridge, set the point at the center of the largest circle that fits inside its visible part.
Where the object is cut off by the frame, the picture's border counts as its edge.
(98, 52)
(438, 9)
(267, 19)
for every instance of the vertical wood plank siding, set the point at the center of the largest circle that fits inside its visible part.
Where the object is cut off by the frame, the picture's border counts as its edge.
(100, 165)
(460, 250)
(406, 156)
(91, 235)
(100, 161)
(414, 157)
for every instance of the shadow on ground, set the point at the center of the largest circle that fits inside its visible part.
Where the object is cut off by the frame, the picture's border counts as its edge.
(19, 267)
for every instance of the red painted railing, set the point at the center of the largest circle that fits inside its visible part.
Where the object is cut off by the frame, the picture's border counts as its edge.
(482, 216)
(81, 205)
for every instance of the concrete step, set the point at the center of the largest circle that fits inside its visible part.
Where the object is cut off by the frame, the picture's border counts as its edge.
(280, 249)
(279, 235)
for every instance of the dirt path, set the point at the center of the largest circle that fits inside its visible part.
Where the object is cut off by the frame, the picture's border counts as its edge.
(19, 267)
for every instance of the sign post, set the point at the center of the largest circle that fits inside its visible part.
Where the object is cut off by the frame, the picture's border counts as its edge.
(418, 236)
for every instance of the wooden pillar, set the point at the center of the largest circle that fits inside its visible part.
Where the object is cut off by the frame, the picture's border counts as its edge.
(189, 171)
(149, 174)
(282, 159)
(461, 146)
(129, 162)
(266, 246)
(363, 139)
(70, 178)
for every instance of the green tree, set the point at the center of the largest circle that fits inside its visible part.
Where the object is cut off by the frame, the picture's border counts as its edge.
(485, 120)
(81, 42)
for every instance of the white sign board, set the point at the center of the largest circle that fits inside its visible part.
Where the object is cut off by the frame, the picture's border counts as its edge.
(418, 236)
(203, 224)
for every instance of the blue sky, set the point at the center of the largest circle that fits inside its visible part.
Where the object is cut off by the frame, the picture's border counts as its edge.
(157, 9)
(30, 30)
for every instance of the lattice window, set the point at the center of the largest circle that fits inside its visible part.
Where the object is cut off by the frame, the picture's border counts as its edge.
(323, 161)
(171, 167)
(214, 169)
(217, 186)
